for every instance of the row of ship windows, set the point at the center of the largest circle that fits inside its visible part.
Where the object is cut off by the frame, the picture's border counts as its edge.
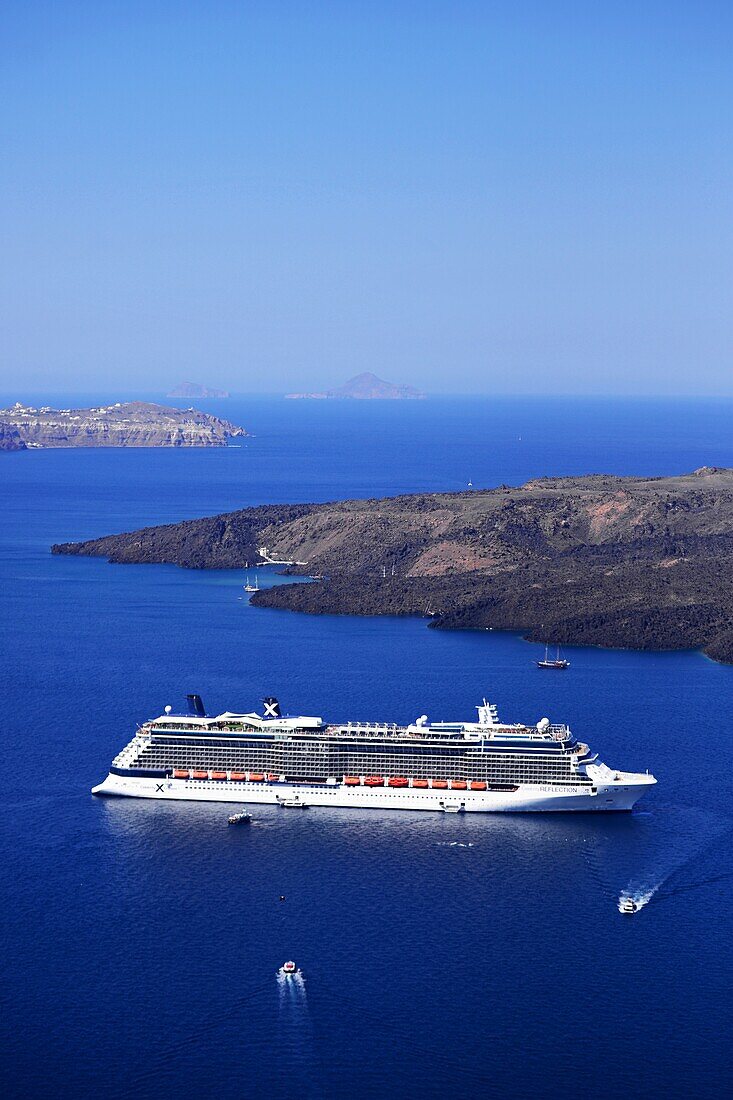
(409, 772)
(551, 748)
(347, 764)
(391, 758)
(344, 761)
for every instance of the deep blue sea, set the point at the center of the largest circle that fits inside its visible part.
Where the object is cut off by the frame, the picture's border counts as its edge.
(442, 955)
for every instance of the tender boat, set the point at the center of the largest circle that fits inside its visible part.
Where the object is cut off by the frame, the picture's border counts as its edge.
(627, 905)
(289, 969)
(242, 818)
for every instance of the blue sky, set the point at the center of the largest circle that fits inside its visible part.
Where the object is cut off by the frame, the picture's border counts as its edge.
(470, 197)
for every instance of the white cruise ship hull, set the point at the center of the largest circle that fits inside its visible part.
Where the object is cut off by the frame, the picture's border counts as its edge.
(619, 794)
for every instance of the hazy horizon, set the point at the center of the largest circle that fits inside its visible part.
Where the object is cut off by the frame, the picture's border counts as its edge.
(500, 199)
(62, 397)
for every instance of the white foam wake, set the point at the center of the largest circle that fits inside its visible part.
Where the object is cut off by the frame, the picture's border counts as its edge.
(640, 896)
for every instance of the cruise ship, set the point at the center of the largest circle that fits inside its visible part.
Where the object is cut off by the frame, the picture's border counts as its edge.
(476, 766)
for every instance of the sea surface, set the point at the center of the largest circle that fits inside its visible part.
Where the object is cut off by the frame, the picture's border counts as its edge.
(441, 955)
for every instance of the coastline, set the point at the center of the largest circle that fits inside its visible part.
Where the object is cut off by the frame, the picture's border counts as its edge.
(629, 563)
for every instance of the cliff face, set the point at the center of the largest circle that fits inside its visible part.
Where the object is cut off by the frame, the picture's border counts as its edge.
(132, 424)
(10, 438)
(641, 563)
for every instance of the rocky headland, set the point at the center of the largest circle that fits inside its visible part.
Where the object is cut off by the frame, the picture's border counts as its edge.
(365, 387)
(643, 563)
(10, 438)
(128, 424)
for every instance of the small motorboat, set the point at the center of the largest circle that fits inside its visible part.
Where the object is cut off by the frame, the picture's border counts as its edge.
(293, 803)
(289, 969)
(627, 905)
(242, 818)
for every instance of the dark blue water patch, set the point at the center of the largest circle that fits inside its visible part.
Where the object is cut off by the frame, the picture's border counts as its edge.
(440, 954)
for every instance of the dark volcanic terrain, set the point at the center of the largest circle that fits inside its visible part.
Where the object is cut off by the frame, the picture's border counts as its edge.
(641, 563)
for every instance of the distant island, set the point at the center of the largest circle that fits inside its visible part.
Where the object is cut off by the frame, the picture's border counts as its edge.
(193, 391)
(129, 424)
(364, 387)
(630, 562)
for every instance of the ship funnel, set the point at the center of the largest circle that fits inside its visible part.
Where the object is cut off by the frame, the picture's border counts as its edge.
(196, 706)
(272, 707)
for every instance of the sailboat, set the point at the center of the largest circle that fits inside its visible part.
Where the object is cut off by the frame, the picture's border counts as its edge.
(248, 587)
(553, 662)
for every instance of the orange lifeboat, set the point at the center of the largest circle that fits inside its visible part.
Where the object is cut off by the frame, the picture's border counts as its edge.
(374, 781)
(419, 782)
(180, 773)
(440, 784)
(397, 781)
(218, 775)
(352, 780)
(272, 778)
(256, 777)
(458, 784)
(200, 775)
(238, 776)
(478, 785)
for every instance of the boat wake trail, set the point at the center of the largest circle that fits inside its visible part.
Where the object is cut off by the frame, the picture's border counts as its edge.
(640, 896)
(295, 1033)
(292, 990)
(708, 868)
(657, 855)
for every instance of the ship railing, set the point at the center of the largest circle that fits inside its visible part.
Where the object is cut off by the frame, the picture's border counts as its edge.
(364, 729)
(369, 726)
(376, 732)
